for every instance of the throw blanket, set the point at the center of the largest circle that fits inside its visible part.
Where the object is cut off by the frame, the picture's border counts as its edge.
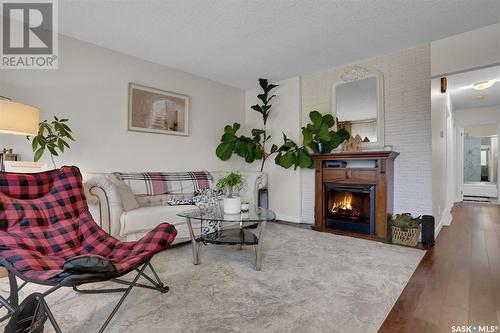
(181, 184)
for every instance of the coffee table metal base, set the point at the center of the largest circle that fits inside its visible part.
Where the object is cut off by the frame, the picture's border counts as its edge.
(238, 237)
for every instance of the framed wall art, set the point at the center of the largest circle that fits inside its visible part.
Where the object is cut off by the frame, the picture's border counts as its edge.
(157, 111)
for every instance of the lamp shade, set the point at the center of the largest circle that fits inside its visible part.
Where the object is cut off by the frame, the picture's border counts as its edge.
(17, 118)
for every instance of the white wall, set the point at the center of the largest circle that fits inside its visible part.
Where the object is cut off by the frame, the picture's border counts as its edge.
(444, 156)
(477, 116)
(407, 124)
(451, 157)
(481, 130)
(284, 184)
(472, 49)
(439, 138)
(91, 89)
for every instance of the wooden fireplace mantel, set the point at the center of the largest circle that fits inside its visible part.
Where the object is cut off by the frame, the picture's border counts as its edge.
(381, 175)
(357, 155)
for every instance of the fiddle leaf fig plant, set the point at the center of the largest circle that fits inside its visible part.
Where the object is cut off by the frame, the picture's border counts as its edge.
(53, 137)
(250, 148)
(319, 133)
(317, 136)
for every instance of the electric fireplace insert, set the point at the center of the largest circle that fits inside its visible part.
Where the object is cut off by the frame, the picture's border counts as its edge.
(350, 207)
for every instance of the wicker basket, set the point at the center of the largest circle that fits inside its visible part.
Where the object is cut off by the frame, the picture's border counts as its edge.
(408, 237)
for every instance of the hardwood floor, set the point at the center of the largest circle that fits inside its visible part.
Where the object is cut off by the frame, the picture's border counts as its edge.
(458, 280)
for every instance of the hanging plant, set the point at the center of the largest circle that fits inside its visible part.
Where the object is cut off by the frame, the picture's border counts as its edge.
(255, 147)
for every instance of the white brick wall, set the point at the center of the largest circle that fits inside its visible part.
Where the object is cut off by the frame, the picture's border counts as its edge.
(407, 124)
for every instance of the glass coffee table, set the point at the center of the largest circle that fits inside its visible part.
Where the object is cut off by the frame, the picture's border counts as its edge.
(240, 236)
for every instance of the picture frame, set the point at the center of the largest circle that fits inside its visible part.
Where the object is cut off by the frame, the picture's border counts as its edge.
(157, 111)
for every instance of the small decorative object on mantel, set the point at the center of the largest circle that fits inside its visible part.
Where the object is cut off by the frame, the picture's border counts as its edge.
(231, 184)
(405, 229)
(352, 144)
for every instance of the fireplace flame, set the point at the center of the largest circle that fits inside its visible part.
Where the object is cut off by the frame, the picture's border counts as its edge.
(344, 206)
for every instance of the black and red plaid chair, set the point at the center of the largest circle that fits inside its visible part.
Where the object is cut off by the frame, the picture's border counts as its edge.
(48, 237)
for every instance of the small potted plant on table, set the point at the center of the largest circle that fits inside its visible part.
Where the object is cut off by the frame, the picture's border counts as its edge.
(231, 185)
(405, 229)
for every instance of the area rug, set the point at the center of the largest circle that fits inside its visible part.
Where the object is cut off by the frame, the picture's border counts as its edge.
(309, 282)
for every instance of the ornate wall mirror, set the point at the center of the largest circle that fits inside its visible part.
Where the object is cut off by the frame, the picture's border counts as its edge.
(358, 104)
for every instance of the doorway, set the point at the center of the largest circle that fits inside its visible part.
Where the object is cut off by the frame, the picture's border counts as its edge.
(475, 100)
(480, 163)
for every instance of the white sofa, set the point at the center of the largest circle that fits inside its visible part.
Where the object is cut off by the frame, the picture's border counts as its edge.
(111, 208)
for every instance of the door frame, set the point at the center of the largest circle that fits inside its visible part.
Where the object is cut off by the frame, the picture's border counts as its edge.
(460, 158)
(460, 163)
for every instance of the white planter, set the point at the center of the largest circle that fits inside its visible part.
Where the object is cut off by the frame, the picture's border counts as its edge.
(232, 205)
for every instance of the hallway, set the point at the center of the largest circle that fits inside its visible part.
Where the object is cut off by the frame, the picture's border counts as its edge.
(458, 281)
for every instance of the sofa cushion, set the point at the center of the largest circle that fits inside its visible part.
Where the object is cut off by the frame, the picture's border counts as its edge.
(182, 185)
(129, 201)
(144, 218)
(138, 221)
(153, 200)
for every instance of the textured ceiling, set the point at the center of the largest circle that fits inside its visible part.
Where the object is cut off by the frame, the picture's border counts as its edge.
(464, 97)
(238, 41)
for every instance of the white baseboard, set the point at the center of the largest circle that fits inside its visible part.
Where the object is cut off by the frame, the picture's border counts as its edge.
(438, 228)
(288, 218)
(446, 216)
(445, 220)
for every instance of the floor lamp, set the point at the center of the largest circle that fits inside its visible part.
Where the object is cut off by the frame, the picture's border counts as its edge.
(18, 119)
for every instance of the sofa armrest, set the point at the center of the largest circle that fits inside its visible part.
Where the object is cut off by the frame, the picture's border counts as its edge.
(256, 181)
(104, 202)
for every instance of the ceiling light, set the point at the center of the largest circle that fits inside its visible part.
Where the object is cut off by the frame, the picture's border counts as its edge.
(482, 85)
(480, 97)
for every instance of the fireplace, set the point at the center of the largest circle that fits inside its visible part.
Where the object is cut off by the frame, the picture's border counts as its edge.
(354, 192)
(350, 207)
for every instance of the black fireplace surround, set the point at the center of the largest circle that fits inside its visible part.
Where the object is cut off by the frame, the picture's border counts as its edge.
(350, 207)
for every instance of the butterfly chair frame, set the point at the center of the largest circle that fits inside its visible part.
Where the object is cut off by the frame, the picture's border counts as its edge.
(45, 223)
(12, 303)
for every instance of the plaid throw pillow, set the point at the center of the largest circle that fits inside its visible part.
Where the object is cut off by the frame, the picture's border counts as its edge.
(181, 185)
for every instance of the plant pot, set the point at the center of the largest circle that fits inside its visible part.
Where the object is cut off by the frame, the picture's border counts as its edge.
(232, 205)
(408, 237)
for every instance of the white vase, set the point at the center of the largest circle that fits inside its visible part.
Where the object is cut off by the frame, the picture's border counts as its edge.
(232, 205)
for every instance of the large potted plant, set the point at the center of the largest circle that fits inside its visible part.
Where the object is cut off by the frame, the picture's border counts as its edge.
(231, 185)
(318, 136)
(405, 229)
